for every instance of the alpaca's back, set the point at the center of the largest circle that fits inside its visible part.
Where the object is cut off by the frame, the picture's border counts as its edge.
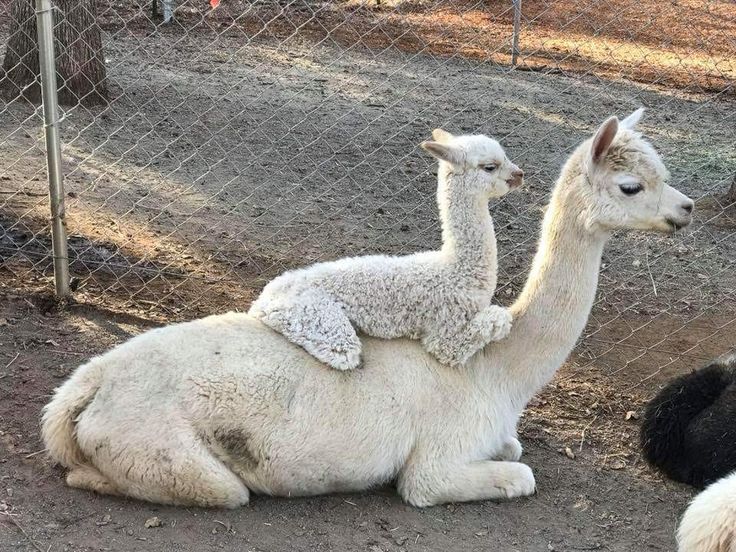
(689, 428)
(379, 293)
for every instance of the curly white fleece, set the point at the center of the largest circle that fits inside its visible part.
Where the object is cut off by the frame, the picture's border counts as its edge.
(441, 297)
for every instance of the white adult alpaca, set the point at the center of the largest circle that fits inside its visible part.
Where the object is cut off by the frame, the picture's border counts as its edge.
(441, 297)
(709, 523)
(205, 412)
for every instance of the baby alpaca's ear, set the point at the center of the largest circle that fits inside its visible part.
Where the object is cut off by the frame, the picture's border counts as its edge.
(632, 120)
(443, 152)
(441, 136)
(603, 139)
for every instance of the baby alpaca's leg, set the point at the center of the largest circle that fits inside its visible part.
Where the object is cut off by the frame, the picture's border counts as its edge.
(491, 324)
(315, 321)
(440, 342)
(455, 346)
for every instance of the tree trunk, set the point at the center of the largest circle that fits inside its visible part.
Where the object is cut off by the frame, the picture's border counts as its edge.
(80, 63)
(730, 196)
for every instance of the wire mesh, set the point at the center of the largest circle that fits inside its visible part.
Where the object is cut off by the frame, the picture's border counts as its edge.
(246, 139)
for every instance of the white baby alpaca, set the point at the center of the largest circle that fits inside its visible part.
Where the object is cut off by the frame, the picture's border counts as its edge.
(441, 297)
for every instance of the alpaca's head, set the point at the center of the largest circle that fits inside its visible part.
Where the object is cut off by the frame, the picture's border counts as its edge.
(479, 162)
(625, 182)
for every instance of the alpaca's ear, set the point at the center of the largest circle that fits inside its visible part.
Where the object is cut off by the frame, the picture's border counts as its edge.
(603, 139)
(441, 136)
(632, 120)
(443, 152)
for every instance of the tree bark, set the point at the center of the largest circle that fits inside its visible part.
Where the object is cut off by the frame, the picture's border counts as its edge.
(80, 63)
(731, 193)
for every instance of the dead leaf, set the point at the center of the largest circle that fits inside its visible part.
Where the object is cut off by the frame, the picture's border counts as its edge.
(569, 453)
(632, 414)
(52, 343)
(152, 522)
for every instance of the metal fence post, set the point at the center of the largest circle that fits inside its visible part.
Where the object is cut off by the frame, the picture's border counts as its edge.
(517, 25)
(49, 96)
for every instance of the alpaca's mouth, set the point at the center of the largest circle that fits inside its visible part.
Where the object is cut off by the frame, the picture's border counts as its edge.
(676, 225)
(515, 182)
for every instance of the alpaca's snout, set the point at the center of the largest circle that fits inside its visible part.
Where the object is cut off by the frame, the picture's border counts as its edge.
(517, 179)
(685, 215)
(680, 211)
(687, 206)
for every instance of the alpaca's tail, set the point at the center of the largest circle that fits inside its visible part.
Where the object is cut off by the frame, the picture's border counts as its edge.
(59, 416)
(709, 523)
(667, 417)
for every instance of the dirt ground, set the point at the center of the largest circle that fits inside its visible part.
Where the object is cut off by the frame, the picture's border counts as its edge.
(682, 43)
(226, 158)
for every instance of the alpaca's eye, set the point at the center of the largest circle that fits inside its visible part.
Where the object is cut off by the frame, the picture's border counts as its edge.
(489, 168)
(631, 189)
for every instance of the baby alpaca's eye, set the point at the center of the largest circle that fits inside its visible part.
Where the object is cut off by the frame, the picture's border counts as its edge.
(631, 189)
(489, 168)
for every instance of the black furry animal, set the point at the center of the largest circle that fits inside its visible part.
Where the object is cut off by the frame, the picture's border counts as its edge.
(689, 428)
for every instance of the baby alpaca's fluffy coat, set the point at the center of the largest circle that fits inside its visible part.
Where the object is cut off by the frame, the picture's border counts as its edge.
(441, 297)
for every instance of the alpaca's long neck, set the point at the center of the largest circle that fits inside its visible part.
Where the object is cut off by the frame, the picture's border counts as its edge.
(553, 308)
(468, 238)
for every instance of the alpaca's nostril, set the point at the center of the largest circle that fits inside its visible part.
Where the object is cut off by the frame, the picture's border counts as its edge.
(688, 207)
(517, 178)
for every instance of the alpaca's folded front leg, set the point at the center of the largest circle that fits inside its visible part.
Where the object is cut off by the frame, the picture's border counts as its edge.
(438, 482)
(313, 320)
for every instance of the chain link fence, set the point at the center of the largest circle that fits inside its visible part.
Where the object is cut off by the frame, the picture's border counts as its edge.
(252, 137)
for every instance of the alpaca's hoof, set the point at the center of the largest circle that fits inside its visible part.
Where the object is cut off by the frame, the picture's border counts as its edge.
(519, 482)
(88, 478)
(345, 360)
(500, 326)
